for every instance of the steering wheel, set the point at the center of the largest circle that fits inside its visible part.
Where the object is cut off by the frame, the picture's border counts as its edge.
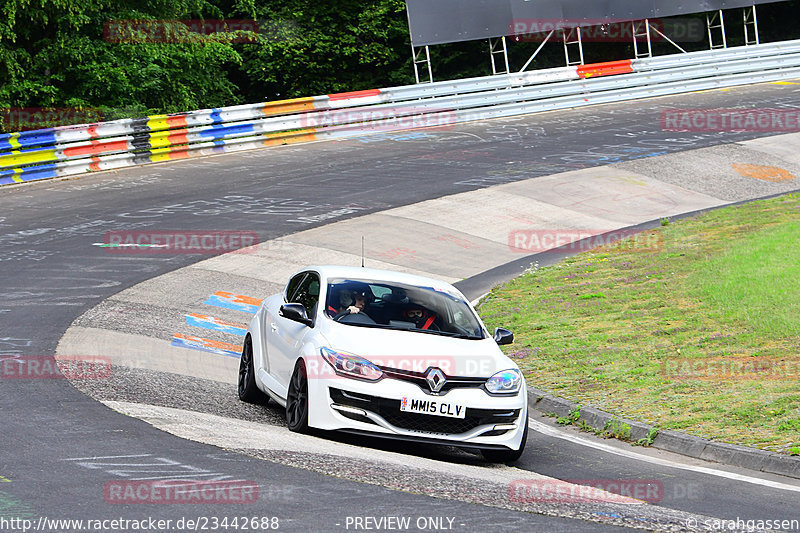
(354, 318)
(339, 316)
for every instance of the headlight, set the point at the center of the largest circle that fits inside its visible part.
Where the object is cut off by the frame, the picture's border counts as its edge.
(504, 382)
(351, 365)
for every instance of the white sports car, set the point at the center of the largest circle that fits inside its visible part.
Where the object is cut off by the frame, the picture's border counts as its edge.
(386, 354)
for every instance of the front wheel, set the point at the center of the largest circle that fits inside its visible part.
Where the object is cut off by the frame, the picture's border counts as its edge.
(297, 400)
(248, 390)
(507, 456)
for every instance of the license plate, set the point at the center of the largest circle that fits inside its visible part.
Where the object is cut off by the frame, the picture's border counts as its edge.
(432, 407)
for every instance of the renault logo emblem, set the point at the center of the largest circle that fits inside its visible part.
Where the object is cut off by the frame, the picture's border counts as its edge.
(435, 379)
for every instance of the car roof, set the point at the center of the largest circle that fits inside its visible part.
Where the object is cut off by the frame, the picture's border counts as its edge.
(374, 274)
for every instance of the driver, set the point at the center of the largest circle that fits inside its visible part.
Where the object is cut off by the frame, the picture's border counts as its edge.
(350, 302)
(359, 302)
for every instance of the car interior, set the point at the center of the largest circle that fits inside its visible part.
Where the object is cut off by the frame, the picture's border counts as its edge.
(405, 308)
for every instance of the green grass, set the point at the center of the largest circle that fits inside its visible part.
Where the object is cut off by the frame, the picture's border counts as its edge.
(757, 281)
(693, 326)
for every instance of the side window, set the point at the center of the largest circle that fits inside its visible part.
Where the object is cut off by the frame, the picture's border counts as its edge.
(291, 288)
(307, 294)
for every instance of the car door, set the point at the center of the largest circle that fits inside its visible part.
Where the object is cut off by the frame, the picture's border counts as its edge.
(287, 335)
(269, 324)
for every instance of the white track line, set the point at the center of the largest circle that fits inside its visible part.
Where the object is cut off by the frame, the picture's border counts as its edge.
(552, 432)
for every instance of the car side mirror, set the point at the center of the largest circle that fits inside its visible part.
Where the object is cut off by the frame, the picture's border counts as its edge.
(296, 313)
(503, 336)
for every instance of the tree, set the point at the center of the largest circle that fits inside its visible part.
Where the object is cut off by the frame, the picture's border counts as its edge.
(323, 46)
(59, 53)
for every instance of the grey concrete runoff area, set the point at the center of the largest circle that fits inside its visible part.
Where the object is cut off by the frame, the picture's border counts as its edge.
(449, 204)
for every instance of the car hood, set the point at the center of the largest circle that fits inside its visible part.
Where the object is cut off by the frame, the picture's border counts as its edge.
(414, 351)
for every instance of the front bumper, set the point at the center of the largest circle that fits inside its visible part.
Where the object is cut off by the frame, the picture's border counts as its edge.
(340, 403)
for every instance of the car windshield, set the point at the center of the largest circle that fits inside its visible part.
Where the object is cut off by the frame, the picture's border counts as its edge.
(391, 305)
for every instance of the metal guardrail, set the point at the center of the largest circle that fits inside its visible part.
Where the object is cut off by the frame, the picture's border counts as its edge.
(70, 150)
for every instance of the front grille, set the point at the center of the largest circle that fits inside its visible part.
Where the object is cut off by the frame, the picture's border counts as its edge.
(418, 378)
(390, 411)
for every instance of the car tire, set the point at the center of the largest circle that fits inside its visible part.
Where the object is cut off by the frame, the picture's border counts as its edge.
(297, 400)
(507, 456)
(248, 390)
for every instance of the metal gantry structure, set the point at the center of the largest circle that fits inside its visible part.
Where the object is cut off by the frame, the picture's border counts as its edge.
(572, 41)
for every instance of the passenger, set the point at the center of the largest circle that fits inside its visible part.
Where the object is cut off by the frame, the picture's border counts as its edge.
(421, 318)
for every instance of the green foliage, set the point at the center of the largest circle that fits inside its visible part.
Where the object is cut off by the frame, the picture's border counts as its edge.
(592, 296)
(790, 425)
(54, 53)
(324, 46)
(648, 440)
(616, 429)
(571, 418)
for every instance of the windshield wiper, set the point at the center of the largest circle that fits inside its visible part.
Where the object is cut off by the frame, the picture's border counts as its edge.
(448, 334)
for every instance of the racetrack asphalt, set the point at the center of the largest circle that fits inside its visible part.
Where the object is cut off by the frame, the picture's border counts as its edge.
(53, 275)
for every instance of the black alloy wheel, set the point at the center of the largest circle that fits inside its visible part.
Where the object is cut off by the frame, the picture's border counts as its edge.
(297, 400)
(248, 390)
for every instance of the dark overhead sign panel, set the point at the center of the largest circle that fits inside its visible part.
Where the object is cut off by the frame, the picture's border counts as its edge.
(450, 21)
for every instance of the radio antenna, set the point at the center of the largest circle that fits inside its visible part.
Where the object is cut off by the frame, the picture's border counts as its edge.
(362, 251)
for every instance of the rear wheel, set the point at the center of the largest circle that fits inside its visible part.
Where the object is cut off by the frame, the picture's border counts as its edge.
(507, 456)
(248, 391)
(297, 400)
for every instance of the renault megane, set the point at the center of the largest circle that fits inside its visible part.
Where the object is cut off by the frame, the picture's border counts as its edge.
(386, 354)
